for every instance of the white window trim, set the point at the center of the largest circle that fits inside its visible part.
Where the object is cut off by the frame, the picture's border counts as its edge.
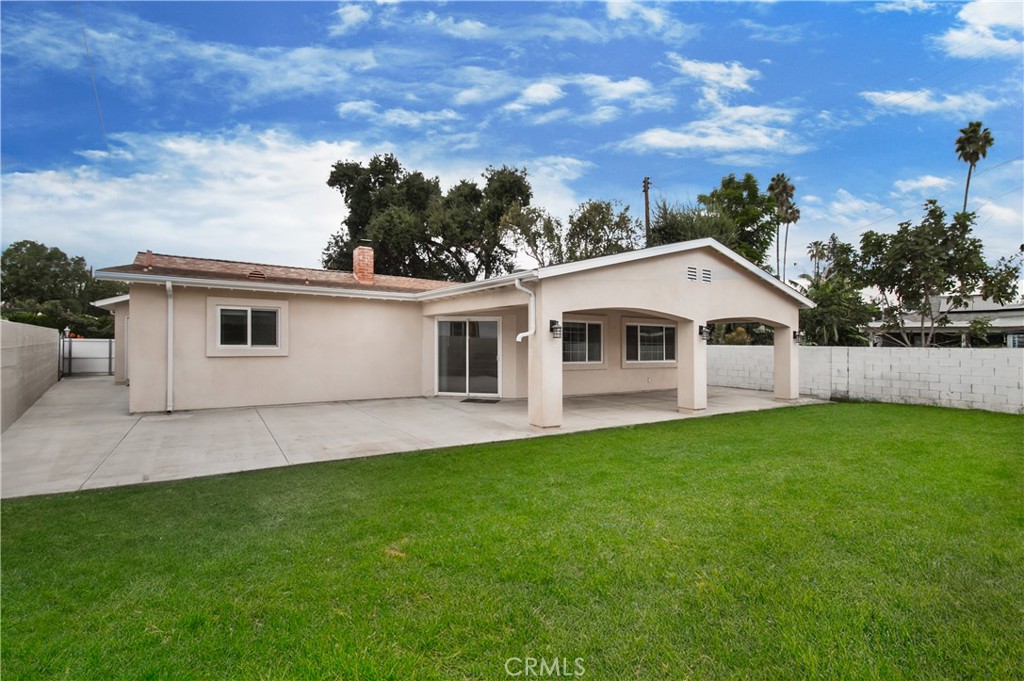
(588, 364)
(640, 363)
(215, 349)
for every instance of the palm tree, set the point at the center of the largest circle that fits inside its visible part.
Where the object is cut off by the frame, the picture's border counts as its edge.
(817, 253)
(781, 189)
(971, 146)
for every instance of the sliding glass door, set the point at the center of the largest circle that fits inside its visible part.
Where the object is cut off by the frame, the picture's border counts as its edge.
(467, 356)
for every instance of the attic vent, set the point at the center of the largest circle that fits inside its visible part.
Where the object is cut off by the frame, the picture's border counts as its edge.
(705, 276)
(256, 274)
(691, 273)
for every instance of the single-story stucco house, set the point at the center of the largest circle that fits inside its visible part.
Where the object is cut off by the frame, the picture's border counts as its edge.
(197, 333)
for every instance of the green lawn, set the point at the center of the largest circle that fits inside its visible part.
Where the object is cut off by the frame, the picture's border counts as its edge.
(840, 541)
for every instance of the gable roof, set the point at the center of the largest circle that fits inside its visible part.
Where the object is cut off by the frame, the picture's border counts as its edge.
(620, 258)
(152, 267)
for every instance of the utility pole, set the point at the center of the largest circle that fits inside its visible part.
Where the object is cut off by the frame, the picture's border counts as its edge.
(647, 210)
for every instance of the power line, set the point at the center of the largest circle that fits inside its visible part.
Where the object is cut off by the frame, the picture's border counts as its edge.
(92, 75)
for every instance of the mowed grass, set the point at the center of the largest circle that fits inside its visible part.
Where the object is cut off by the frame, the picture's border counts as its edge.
(834, 541)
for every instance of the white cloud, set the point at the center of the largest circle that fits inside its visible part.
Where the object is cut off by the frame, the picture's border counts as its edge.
(144, 57)
(986, 29)
(550, 177)
(747, 134)
(648, 19)
(600, 115)
(759, 129)
(240, 194)
(925, 183)
(605, 89)
(905, 6)
(466, 29)
(785, 34)
(967, 105)
(479, 85)
(363, 107)
(350, 17)
(416, 119)
(537, 94)
(719, 79)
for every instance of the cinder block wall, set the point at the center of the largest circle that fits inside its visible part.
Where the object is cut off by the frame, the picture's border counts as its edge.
(29, 356)
(967, 378)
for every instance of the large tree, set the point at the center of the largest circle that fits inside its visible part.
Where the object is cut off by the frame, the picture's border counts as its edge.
(44, 286)
(971, 146)
(33, 272)
(418, 231)
(599, 228)
(913, 267)
(752, 211)
(674, 223)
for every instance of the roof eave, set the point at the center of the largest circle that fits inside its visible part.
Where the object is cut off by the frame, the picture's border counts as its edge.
(137, 278)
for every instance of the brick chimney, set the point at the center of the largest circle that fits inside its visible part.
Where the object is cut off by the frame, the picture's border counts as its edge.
(362, 264)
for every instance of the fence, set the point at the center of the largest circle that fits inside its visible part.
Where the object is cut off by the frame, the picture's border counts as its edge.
(968, 378)
(81, 356)
(28, 370)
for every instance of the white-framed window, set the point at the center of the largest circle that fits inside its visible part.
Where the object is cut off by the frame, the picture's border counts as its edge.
(582, 342)
(246, 327)
(650, 343)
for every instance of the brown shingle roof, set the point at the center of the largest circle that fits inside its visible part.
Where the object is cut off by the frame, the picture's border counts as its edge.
(159, 264)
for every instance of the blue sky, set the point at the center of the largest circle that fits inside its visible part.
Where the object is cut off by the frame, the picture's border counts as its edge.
(222, 120)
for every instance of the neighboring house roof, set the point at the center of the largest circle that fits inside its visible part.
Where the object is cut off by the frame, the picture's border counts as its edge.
(157, 268)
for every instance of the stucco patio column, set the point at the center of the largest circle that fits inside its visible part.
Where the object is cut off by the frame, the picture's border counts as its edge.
(544, 396)
(692, 367)
(787, 364)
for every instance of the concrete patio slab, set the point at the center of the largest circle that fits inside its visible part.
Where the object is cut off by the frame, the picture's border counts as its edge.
(79, 435)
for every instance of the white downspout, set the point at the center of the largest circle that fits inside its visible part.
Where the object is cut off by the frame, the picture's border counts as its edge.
(531, 311)
(170, 347)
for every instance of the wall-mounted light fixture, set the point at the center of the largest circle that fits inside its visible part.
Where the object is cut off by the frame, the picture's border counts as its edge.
(556, 328)
(799, 335)
(705, 333)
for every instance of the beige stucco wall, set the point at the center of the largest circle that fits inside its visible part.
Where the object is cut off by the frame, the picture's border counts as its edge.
(344, 348)
(338, 349)
(121, 313)
(29, 355)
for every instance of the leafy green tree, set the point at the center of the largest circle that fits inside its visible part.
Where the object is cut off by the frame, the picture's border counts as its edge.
(597, 228)
(388, 206)
(675, 223)
(841, 310)
(33, 272)
(971, 146)
(416, 230)
(840, 314)
(752, 211)
(43, 286)
(912, 268)
(537, 233)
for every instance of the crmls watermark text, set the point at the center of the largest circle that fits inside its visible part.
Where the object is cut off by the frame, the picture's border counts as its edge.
(534, 666)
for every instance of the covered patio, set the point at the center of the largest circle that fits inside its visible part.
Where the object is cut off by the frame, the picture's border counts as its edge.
(80, 435)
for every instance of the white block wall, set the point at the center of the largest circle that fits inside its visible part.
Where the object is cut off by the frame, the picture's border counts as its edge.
(967, 378)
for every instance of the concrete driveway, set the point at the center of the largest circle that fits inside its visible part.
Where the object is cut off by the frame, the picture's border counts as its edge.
(79, 435)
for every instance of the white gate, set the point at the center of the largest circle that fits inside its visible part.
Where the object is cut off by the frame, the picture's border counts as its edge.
(81, 356)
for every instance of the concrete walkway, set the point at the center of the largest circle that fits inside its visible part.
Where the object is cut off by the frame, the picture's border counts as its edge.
(79, 435)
